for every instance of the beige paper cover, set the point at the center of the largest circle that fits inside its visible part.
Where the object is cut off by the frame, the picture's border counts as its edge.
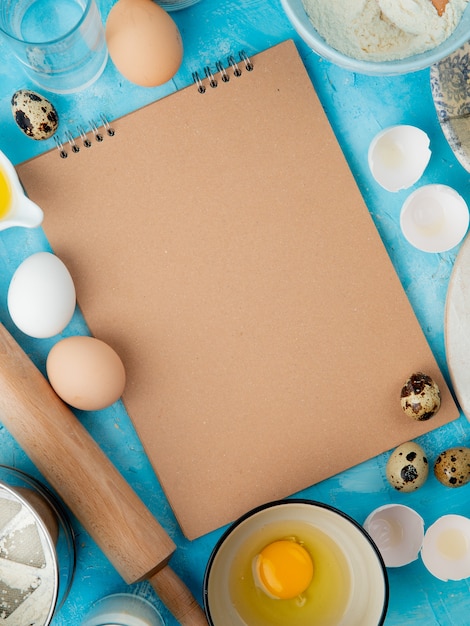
(220, 244)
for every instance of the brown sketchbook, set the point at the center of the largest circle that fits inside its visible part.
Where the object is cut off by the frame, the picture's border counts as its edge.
(220, 244)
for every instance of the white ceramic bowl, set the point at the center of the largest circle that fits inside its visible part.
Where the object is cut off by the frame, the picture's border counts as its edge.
(299, 19)
(434, 218)
(365, 581)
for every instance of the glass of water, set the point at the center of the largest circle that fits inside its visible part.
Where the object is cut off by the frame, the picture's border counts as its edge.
(60, 43)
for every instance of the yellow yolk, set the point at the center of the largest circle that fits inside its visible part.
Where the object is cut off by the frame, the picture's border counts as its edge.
(5, 195)
(284, 569)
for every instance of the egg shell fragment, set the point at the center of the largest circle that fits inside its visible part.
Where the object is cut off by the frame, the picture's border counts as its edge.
(41, 296)
(407, 468)
(34, 115)
(446, 548)
(452, 467)
(420, 397)
(398, 156)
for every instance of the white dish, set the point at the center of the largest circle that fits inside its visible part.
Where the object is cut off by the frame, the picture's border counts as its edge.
(457, 327)
(434, 218)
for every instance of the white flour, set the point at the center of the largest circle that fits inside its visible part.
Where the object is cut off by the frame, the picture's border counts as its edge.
(29, 588)
(383, 30)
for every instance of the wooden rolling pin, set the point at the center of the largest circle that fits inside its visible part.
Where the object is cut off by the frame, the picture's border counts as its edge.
(87, 481)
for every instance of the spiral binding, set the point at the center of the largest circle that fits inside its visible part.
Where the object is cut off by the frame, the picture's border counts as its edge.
(84, 138)
(222, 71)
(97, 131)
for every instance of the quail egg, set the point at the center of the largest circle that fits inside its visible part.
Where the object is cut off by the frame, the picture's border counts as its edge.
(452, 467)
(420, 397)
(35, 116)
(407, 467)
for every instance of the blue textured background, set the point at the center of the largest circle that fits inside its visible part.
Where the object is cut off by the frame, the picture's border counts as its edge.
(358, 107)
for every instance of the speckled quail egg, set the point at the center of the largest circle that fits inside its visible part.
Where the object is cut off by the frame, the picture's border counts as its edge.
(407, 467)
(452, 467)
(35, 116)
(420, 397)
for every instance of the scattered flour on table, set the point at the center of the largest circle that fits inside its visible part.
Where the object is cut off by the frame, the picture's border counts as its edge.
(383, 30)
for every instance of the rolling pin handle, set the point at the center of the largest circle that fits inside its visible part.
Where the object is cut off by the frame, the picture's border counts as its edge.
(177, 598)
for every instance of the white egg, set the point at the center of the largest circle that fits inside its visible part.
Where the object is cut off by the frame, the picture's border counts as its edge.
(446, 548)
(434, 218)
(397, 531)
(41, 296)
(398, 156)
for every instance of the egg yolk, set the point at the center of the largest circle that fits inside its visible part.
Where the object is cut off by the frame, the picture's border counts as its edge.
(5, 195)
(284, 569)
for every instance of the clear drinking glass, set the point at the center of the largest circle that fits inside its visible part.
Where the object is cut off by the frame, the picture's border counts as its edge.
(60, 43)
(123, 609)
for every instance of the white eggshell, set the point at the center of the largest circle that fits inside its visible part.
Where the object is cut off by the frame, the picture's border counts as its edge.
(397, 531)
(41, 296)
(434, 218)
(446, 548)
(398, 156)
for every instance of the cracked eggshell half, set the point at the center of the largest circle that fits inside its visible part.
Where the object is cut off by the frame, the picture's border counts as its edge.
(434, 218)
(397, 531)
(446, 548)
(398, 156)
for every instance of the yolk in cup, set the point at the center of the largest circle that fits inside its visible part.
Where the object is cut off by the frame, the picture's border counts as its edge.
(5, 195)
(283, 569)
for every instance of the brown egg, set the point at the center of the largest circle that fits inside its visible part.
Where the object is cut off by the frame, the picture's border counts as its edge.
(85, 372)
(452, 467)
(420, 397)
(144, 42)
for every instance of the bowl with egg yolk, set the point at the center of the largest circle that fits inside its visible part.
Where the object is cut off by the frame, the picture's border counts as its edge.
(295, 562)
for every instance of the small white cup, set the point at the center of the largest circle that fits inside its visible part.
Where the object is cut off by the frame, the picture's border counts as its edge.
(16, 209)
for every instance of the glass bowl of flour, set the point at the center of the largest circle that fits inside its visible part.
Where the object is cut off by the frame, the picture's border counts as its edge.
(380, 37)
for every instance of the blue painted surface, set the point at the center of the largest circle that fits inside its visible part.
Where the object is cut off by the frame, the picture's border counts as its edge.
(358, 107)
